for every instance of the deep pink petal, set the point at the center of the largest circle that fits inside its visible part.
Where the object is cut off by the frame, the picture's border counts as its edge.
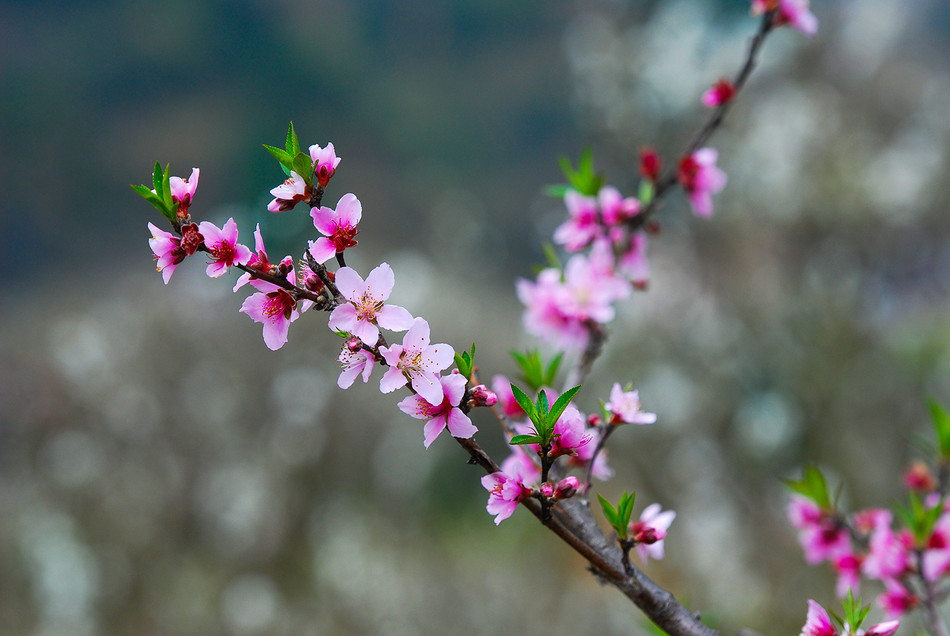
(324, 219)
(322, 250)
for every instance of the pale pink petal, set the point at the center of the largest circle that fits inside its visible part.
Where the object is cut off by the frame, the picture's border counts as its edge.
(392, 380)
(275, 332)
(366, 331)
(380, 281)
(349, 209)
(350, 283)
(432, 429)
(460, 425)
(394, 318)
(343, 318)
(441, 356)
(322, 250)
(348, 376)
(429, 387)
(454, 385)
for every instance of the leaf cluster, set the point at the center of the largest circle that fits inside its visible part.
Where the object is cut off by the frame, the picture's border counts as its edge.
(291, 159)
(919, 518)
(583, 179)
(466, 363)
(543, 415)
(854, 613)
(160, 195)
(619, 517)
(534, 371)
(813, 486)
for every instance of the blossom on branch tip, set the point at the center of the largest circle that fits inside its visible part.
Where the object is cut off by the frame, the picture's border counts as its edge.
(701, 179)
(625, 407)
(288, 194)
(337, 226)
(167, 250)
(366, 311)
(276, 308)
(795, 13)
(223, 247)
(325, 162)
(445, 414)
(183, 191)
(417, 362)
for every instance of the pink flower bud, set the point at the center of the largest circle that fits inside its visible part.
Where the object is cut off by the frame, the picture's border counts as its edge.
(918, 477)
(482, 396)
(354, 344)
(546, 489)
(567, 487)
(649, 163)
(719, 93)
(593, 420)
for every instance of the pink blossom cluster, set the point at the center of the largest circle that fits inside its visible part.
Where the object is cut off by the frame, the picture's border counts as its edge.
(818, 623)
(869, 544)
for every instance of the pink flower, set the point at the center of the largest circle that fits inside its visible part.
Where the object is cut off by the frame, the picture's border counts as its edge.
(509, 406)
(719, 93)
(848, 567)
(820, 534)
(570, 432)
(258, 261)
(896, 600)
(289, 193)
(167, 250)
(354, 364)
(223, 246)
(601, 470)
(633, 264)
(625, 407)
(325, 162)
(701, 179)
(507, 488)
(183, 192)
(365, 312)
(792, 12)
(418, 362)
(614, 208)
(276, 308)
(650, 531)
(583, 226)
(887, 552)
(337, 226)
(817, 622)
(446, 414)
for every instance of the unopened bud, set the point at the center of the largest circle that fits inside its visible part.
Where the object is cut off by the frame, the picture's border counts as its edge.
(567, 487)
(649, 163)
(482, 396)
(918, 477)
(285, 266)
(546, 489)
(354, 344)
(593, 420)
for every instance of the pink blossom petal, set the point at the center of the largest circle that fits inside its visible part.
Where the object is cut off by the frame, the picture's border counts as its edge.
(322, 250)
(460, 425)
(349, 209)
(350, 283)
(343, 318)
(392, 380)
(394, 318)
(454, 385)
(380, 281)
(432, 429)
(428, 386)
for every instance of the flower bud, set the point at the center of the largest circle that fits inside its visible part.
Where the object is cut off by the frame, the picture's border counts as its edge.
(567, 487)
(482, 396)
(918, 477)
(286, 266)
(354, 344)
(546, 489)
(649, 163)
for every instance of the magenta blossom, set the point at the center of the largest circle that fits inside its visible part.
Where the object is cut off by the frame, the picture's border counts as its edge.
(417, 362)
(258, 261)
(650, 531)
(325, 162)
(223, 247)
(365, 312)
(337, 226)
(167, 250)
(821, 536)
(719, 93)
(276, 308)
(818, 623)
(289, 193)
(445, 415)
(625, 407)
(795, 13)
(701, 179)
(583, 226)
(614, 208)
(183, 191)
(507, 488)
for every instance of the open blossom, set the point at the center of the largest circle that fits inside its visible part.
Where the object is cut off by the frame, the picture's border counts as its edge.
(325, 162)
(508, 487)
(701, 179)
(258, 261)
(625, 406)
(366, 311)
(354, 364)
(223, 247)
(583, 226)
(337, 226)
(818, 623)
(167, 250)
(183, 191)
(821, 536)
(288, 194)
(445, 414)
(650, 531)
(719, 93)
(417, 362)
(276, 308)
(795, 13)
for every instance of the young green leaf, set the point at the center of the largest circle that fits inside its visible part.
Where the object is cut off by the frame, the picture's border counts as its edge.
(303, 166)
(556, 191)
(625, 508)
(286, 160)
(610, 513)
(524, 439)
(154, 199)
(523, 401)
(292, 144)
(551, 373)
(941, 420)
(157, 175)
(561, 403)
(167, 188)
(646, 193)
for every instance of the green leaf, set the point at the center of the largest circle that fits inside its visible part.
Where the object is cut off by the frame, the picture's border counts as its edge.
(625, 508)
(813, 486)
(466, 363)
(584, 179)
(561, 403)
(157, 175)
(524, 439)
(154, 199)
(610, 513)
(543, 406)
(167, 189)
(941, 420)
(556, 191)
(646, 193)
(292, 145)
(303, 165)
(523, 401)
(286, 160)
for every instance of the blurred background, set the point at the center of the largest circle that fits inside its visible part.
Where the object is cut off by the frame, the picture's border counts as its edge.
(162, 471)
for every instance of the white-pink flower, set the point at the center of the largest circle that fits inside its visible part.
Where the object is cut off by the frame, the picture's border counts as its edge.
(650, 531)
(325, 162)
(625, 406)
(167, 250)
(701, 179)
(288, 194)
(337, 226)
(275, 308)
(183, 192)
(583, 226)
(258, 261)
(445, 414)
(223, 247)
(354, 364)
(366, 311)
(818, 623)
(507, 488)
(417, 362)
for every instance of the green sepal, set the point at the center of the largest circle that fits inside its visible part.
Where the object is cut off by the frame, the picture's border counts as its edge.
(303, 165)
(292, 144)
(556, 191)
(941, 420)
(517, 440)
